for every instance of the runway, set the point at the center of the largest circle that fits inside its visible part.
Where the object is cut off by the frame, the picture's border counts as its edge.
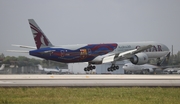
(90, 80)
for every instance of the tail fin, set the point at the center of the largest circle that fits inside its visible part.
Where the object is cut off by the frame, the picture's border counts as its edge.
(2, 66)
(40, 67)
(60, 70)
(165, 60)
(57, 67)
(40, 39)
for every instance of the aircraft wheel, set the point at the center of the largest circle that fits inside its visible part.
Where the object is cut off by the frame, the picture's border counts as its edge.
(112, 69)
(117, 67)
(88, 69)
(112, 65)
(109, 69)
(85, 69)
(93, 67)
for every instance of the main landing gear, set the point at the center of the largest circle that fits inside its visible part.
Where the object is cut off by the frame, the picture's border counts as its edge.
(89, 68)
(113, 67)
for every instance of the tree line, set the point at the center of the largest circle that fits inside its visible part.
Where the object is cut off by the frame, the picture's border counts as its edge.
(25, 61)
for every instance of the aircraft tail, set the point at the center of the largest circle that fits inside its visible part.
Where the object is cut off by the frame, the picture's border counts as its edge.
(2, 66)
(40, 67)
(60, 70)
(165, 60)
(40, 39)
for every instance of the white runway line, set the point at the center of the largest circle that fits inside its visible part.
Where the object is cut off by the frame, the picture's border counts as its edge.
(103, 77)
(2, 82)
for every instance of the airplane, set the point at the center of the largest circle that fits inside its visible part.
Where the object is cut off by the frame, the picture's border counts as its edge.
(129, 67)
(172, 70)
(178, 71)
(137, 52)
(50, 70)
(2, 66)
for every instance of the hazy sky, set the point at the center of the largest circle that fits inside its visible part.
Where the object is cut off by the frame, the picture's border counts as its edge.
(90, 21)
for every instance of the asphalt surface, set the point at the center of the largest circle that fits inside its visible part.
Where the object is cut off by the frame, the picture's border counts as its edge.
(90, 80)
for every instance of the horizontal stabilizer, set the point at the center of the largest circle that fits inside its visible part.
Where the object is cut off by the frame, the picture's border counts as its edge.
(23, 46)
(18, 51)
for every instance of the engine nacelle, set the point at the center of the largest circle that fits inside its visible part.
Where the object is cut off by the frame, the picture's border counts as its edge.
(151, 70)
(139, 59)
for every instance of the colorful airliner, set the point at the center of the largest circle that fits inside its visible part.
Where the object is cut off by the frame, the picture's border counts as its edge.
(137, 52)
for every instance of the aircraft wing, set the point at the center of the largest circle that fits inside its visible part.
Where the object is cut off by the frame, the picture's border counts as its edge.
(142, 49)
(124, 55)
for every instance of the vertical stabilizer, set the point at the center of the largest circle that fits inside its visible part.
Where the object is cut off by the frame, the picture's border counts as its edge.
(165, 60)
(60, 70)
(40, 39)
(40, 67)
(2, 66)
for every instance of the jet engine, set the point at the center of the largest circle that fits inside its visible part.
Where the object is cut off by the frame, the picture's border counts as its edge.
(151, 70)
(148, 71)
(139, 59)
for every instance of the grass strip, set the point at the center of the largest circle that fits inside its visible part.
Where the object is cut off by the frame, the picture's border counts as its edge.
(95, 95)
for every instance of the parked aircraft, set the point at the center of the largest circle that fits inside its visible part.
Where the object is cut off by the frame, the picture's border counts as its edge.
(51, 70)
(178, 72)
(2, 66)
(129, 67)
(137, 52)
(172, 70)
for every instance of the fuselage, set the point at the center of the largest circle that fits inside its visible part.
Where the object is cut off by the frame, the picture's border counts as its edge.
(132, 67)
(90, 52)
(51, 70)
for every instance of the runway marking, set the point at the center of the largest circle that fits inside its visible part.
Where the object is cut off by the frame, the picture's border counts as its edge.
(5, 82)
(87, 76)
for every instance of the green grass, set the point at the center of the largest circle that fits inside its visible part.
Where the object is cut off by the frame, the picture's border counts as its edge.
(96, 95)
